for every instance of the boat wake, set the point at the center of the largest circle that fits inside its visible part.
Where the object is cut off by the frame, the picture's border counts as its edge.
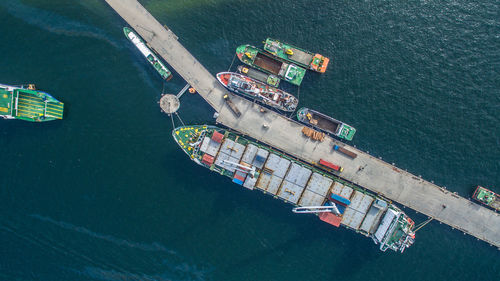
(54, 23)
(154, 247)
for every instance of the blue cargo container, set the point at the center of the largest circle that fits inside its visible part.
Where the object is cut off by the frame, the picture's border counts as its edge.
(235, 180)
(340, 199)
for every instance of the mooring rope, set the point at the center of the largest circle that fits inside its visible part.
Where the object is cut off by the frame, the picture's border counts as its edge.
(172, 118)
(231, 63)
(180, 119)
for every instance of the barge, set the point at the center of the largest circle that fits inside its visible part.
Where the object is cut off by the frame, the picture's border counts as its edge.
(269, 79)
(255, 166)
(256, 90)
(296, 55)
(26, 103)
(325, 123)
(487, 197)
(148, 54)
(264, 61)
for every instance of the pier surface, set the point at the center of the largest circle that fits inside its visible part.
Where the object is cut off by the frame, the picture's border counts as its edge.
(285, 134)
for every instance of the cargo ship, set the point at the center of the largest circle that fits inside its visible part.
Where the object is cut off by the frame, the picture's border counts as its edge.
(487, 197)
(264, 61)
(255, 166)
(148, 54)
(325, 123)
(258, 91)
(296, 55)
(28, 104)
(269, 79)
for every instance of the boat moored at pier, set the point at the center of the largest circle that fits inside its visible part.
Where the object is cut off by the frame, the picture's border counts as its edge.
(296, 55)
(256, 166)
(148, 54)
(487, 197)
(325, 123)
(264, 61)
(26, 103)
(258, 91)
(269, 79)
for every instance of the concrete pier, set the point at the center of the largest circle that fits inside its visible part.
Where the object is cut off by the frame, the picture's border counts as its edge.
(285, 134)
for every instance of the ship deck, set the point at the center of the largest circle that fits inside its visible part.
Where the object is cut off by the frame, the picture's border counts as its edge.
(285, 134)
(5, 102)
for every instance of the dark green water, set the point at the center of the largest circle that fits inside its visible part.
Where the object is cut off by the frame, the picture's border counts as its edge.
(106, 194)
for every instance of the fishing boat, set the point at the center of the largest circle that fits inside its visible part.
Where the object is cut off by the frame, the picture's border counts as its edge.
(264, 61)
(325, 123)
(253, 89)
(296, 55)
(487, 197)
(148, 54)
(308, 188)
(26, 103)
(267, 78)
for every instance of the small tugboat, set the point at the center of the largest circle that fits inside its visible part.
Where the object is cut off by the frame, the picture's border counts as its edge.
(256, 166)
(148, 54)
(267, 78)
(296, 55)
(325, 123)
(28, 104)
(264, 61)
(487, 197)
(254, 89)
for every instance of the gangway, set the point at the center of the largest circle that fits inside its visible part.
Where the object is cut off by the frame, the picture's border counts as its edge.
(181, 92)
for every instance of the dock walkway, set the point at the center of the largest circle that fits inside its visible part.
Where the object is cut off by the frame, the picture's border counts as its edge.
(285, 134)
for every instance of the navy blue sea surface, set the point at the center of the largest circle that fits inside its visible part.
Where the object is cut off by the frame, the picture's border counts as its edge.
(106, 194)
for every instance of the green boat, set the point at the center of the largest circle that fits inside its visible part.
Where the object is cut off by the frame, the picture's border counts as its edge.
(325, 123)
(261, 60)
(487, 197)
(269, 79)
(27, 103)
(309, 188)
(148, 54)
(297, 55)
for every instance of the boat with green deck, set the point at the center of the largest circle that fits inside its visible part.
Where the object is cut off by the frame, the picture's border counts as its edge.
(487, 197)
(269, 79)
(148, 54)
(305, 186)
(296, 55)
(26, 103)
(325, 123)
(264, 61)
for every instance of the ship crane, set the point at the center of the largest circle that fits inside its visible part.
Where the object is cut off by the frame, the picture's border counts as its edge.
(316, 209)
(242, 168)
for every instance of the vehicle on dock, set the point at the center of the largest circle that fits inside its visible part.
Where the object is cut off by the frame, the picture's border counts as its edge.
(232, 106)
(148, 54)
(26, 103)
(487, 197)
(325, 123)
(257, 166)
(270, 79)
(296, 55)
(266, 62)
(256, 90)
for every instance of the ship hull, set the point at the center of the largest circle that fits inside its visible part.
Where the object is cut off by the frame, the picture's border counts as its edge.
(487, 197)
(256, 166)
(26, 103)
(269, 79)
(256, 90)
(301, 57)
(263, 61)
(150, 56)
(325, 123)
